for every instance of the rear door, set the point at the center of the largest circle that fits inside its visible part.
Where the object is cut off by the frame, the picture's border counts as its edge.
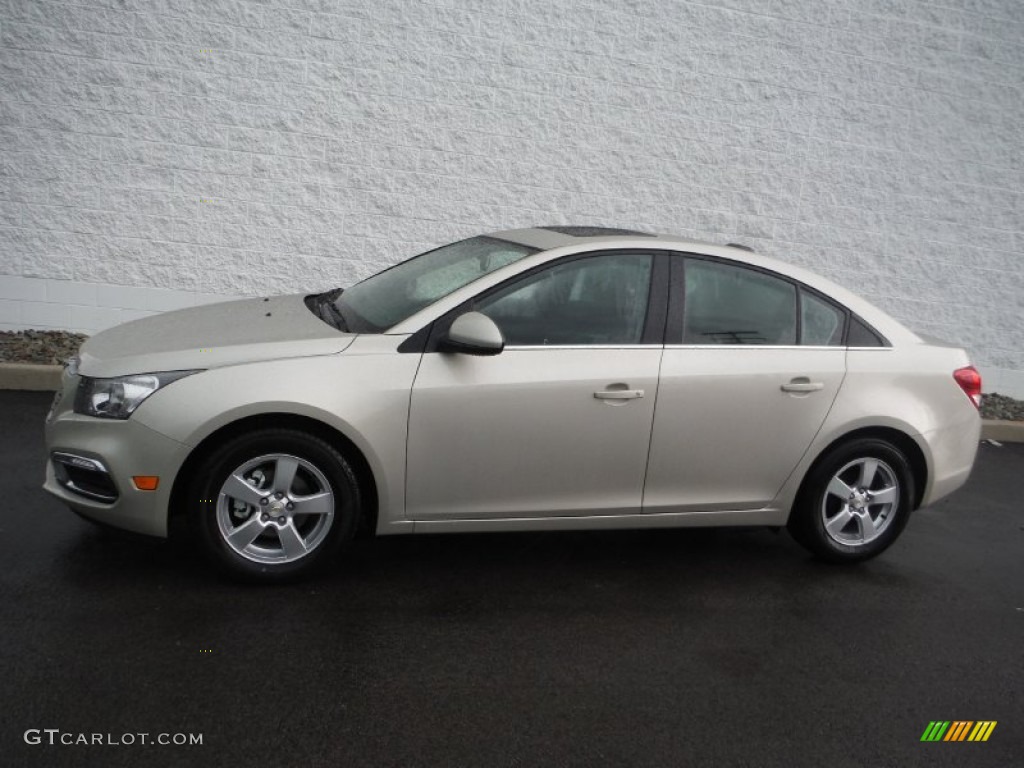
(752, 365)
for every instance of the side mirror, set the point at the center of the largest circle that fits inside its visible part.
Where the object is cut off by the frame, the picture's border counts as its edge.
(473, 334)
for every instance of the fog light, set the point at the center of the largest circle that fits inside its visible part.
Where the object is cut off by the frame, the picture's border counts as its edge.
(146, 482)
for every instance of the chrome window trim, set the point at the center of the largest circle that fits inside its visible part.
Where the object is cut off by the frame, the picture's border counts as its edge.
(773, 346)
(820, 348)
(528, 347)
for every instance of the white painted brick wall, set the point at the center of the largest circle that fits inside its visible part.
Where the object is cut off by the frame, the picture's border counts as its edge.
(45, 303)
(242, 147)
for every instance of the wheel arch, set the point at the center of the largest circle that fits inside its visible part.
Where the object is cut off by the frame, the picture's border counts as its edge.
(177, 506)
(900, 439)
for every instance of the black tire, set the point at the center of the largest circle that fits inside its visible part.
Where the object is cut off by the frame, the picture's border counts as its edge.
(817, 504)
(321, 470)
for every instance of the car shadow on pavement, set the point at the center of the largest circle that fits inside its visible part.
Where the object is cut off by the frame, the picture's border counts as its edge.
(478, 574)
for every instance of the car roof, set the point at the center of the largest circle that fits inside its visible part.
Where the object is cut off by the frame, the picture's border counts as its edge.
(557, 236)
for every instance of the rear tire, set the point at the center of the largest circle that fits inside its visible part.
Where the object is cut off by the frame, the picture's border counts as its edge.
(274, 505)
(855, 502)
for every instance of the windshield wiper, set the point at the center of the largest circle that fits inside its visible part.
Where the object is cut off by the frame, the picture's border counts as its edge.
(322, 305)
(337, 319)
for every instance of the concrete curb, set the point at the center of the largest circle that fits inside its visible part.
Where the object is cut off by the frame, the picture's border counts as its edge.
(1002, 431)
(47, 378)
(30, 376)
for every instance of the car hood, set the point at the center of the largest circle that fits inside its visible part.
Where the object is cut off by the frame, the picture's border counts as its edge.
(211, 336)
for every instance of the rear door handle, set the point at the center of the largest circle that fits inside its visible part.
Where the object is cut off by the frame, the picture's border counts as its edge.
(619, 394)
(802, 385)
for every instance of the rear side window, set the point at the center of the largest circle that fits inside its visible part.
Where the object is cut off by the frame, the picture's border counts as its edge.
(726, 304)
(821, 322)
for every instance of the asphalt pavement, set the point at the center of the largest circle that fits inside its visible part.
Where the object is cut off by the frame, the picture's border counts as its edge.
(646, 648)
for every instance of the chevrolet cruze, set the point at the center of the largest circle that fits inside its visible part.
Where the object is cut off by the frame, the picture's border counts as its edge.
(533, 379)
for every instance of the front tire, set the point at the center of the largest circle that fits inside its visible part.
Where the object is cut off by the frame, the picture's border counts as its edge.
(855, 503)
(275, 505)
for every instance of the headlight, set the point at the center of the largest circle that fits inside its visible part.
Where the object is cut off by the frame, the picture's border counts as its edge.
(117, 398)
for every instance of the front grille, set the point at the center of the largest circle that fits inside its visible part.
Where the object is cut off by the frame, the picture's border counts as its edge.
(85, 477)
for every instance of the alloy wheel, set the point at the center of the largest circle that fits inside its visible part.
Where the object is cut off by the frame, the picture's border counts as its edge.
(275, 508)
(860, 502)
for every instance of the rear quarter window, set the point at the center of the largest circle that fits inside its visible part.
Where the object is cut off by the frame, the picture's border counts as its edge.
(862, 336)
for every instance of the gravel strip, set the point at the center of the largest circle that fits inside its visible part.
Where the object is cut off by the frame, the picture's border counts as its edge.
(54, 347)
(996, 406)
(41, 347)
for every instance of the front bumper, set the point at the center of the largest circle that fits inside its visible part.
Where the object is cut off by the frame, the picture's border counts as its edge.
(124, 449)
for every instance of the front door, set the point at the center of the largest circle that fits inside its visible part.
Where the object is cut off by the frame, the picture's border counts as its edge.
(559, 423)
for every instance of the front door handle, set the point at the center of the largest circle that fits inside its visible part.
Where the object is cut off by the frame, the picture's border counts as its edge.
(802, 384)
(619, 394)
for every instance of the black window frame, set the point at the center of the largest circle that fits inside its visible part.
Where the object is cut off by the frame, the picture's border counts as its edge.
(428, 339)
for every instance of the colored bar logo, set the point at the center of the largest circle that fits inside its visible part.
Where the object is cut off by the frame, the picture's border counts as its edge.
(958, 730)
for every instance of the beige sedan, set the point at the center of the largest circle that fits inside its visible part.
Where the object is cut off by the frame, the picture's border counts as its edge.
(534, 379)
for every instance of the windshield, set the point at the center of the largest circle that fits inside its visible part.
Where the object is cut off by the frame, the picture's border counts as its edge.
(389, 297)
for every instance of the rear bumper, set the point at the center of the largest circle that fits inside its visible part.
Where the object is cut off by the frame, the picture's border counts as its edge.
(123, 449)
(953, 450)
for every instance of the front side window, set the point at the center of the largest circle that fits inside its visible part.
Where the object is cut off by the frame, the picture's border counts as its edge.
(391, 296)
(726, 304)
(595, 300)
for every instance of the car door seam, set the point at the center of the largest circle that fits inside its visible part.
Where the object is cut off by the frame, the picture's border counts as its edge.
(650, 433)
(408, 425)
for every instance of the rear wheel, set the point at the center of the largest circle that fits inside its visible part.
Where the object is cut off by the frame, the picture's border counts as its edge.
(855, 503)
(275, 505)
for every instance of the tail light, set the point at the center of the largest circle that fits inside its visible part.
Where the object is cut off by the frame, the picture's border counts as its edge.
(970, 382)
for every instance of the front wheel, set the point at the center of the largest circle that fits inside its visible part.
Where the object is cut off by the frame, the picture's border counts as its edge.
(855, 502)
(275, 505)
